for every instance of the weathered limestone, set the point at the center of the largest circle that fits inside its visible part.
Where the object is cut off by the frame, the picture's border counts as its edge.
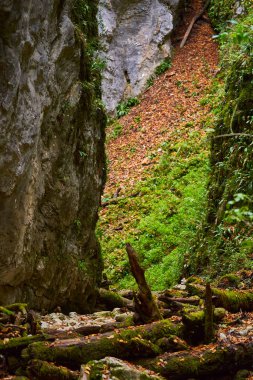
(136, 38)
(51, 158)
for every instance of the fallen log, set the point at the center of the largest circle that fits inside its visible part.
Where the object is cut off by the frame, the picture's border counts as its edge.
(202, 363)
(133, 342)
(41, 370)
(144, 302)
(111, 300)
(231, 300)
(14, 345)
(169, 300)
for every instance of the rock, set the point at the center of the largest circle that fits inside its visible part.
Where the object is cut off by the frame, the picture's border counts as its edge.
(115, 369)
(223, 337)
(52, 158)
(136, 39)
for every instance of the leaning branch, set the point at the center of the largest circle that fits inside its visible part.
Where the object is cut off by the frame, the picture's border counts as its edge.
(195, 18)
(233, 135)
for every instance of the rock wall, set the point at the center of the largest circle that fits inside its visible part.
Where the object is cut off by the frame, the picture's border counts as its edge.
(51, 155)
(136, 38)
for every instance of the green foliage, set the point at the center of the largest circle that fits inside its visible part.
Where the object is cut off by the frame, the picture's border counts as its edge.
(221, 11)
(161, 222)
(124, 107)
(116, 131)
(164, 66)
(225, 242)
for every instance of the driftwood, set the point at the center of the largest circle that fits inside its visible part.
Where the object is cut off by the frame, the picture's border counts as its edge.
(145, 304)
(133, 342)
(195, 18)
(202, 364)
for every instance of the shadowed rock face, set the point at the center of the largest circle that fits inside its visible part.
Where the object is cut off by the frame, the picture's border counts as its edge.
(51, 159)
(136, 38)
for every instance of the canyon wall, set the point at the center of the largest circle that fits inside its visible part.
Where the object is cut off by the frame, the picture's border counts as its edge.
(136, 37)
(51, 154)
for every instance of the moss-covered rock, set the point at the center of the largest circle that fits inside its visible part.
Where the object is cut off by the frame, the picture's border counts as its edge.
(115, 369)
(230, 280)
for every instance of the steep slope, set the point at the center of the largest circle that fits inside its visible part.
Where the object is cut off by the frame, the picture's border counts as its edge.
(158, 153)
(52, 156)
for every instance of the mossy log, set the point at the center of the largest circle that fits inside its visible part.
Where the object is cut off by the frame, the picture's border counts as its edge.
(202, 363)
(112, 300)
(22, 307)
(234, 300)
(134, 342)
(231, 300)
(144, 302)
(15, 345)
(41, 370)
(170, 300)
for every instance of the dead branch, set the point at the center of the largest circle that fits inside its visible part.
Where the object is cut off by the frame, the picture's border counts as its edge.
(145, 305)
(195, 18)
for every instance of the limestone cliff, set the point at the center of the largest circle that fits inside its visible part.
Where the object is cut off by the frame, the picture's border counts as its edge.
(136, 38)
(51, 154)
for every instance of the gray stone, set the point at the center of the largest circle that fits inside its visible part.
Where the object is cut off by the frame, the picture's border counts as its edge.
(51, 159)
(136, 38)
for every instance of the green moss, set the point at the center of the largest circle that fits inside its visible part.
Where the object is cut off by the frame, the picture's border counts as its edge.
(111, 299)
(15, 344)
(125, 344)
(229, 280)
(6, 311)
(234, 300)
(225, 242)
(161, 222)
(43, 370)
